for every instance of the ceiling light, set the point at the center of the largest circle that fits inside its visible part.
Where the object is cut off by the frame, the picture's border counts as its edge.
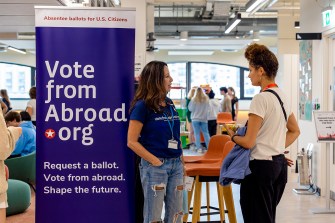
(17, 50)
(229, 50)
(233, 23)
(252, 4)
(271, 3)
(297, 24)
(190, 53)
(183, 35)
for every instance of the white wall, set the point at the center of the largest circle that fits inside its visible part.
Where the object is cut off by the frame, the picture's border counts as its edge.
(311, 21)
(287, 79)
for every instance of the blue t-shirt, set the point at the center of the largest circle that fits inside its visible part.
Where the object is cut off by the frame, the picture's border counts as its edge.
(27, 142)
(156, 131)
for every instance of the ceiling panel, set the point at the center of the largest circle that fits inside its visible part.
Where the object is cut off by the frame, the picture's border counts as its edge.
(171, 17)
(17, 20)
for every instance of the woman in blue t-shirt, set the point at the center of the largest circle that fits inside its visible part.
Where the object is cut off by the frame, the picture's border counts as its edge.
(154, 135)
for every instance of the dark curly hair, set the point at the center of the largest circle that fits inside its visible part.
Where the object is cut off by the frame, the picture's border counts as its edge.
(260, 56)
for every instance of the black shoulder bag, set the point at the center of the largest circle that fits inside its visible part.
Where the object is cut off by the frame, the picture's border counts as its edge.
(280, 102)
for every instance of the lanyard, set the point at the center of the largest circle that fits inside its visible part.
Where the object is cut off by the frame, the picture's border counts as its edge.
(171, 123)
(270, 86)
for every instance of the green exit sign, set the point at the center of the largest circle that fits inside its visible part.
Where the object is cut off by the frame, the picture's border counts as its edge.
(326, 18)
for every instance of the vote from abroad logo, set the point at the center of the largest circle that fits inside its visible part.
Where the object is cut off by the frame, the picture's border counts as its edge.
(50, 133)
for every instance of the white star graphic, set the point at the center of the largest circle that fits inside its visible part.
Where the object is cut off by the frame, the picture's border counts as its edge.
(50, 133)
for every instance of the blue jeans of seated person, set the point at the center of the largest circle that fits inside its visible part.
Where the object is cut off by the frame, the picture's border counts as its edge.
(203, 127)
(160, 185)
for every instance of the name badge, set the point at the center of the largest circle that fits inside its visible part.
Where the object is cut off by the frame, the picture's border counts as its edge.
(188, 183)
(173, 144)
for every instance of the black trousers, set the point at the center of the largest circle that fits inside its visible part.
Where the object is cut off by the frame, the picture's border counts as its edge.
(262, 190)
(212, 127)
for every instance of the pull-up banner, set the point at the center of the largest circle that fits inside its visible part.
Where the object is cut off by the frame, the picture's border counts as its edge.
(85, 76)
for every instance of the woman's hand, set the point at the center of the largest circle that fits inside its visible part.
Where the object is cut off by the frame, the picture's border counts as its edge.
(229, 131)
(158, 163)
(289, 162)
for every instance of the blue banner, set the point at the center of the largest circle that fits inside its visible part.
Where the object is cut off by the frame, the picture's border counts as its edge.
(85, 81)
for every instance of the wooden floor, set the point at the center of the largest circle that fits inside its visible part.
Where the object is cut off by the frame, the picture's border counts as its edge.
(293, 208)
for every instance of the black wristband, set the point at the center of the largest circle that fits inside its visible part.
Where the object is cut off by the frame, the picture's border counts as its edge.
(232, 138)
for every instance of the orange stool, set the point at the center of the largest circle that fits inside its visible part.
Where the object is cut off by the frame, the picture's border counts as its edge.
(214, 152)
(223, 118)
(210, 172)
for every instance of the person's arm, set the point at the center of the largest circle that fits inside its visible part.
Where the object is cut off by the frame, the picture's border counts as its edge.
(191, 106)
(293, 130)
(236, 111)
(3, 107)
(224, 105)
(29, 110)
(8, 138)
(249, 140)
(134, 131)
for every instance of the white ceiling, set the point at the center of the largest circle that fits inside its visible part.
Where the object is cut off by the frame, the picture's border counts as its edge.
(17, 24)
(206, 32)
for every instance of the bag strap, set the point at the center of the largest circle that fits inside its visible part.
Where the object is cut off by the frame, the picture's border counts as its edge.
(280, 101)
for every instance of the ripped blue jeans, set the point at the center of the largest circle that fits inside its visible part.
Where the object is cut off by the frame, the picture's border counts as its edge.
(163, 184)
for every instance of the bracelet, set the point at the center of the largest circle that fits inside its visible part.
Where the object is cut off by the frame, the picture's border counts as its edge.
(232, 138)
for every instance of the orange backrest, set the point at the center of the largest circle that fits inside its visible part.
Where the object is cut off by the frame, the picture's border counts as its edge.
(216, 146)
(224, 117)
(209, 169)
(215, 149)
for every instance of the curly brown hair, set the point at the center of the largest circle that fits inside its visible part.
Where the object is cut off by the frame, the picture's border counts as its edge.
(151, 86)
(260, 56)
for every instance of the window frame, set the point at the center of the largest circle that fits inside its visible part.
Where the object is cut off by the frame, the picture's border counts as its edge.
(32, 78)
(189, 77)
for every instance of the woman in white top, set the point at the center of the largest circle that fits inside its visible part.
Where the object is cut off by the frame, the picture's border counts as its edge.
(269, 132)
(31, 105)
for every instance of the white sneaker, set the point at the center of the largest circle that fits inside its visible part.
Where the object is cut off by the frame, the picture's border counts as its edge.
(199, 151)
(192, 147)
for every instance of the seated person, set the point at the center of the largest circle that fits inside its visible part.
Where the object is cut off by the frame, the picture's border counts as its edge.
(25, 116)
(27, 142)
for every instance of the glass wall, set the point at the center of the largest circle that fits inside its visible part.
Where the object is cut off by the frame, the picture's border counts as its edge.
(17, 79)
(189, 74)
(216, 75)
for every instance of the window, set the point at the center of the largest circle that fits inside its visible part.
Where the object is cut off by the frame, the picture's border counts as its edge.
(248, 89)
(189, 74)
(178, 91)
(216, 75)
(16, 79)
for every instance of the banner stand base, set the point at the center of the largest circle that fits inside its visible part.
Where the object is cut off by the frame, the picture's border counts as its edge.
(303, 191)
(322, 211)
